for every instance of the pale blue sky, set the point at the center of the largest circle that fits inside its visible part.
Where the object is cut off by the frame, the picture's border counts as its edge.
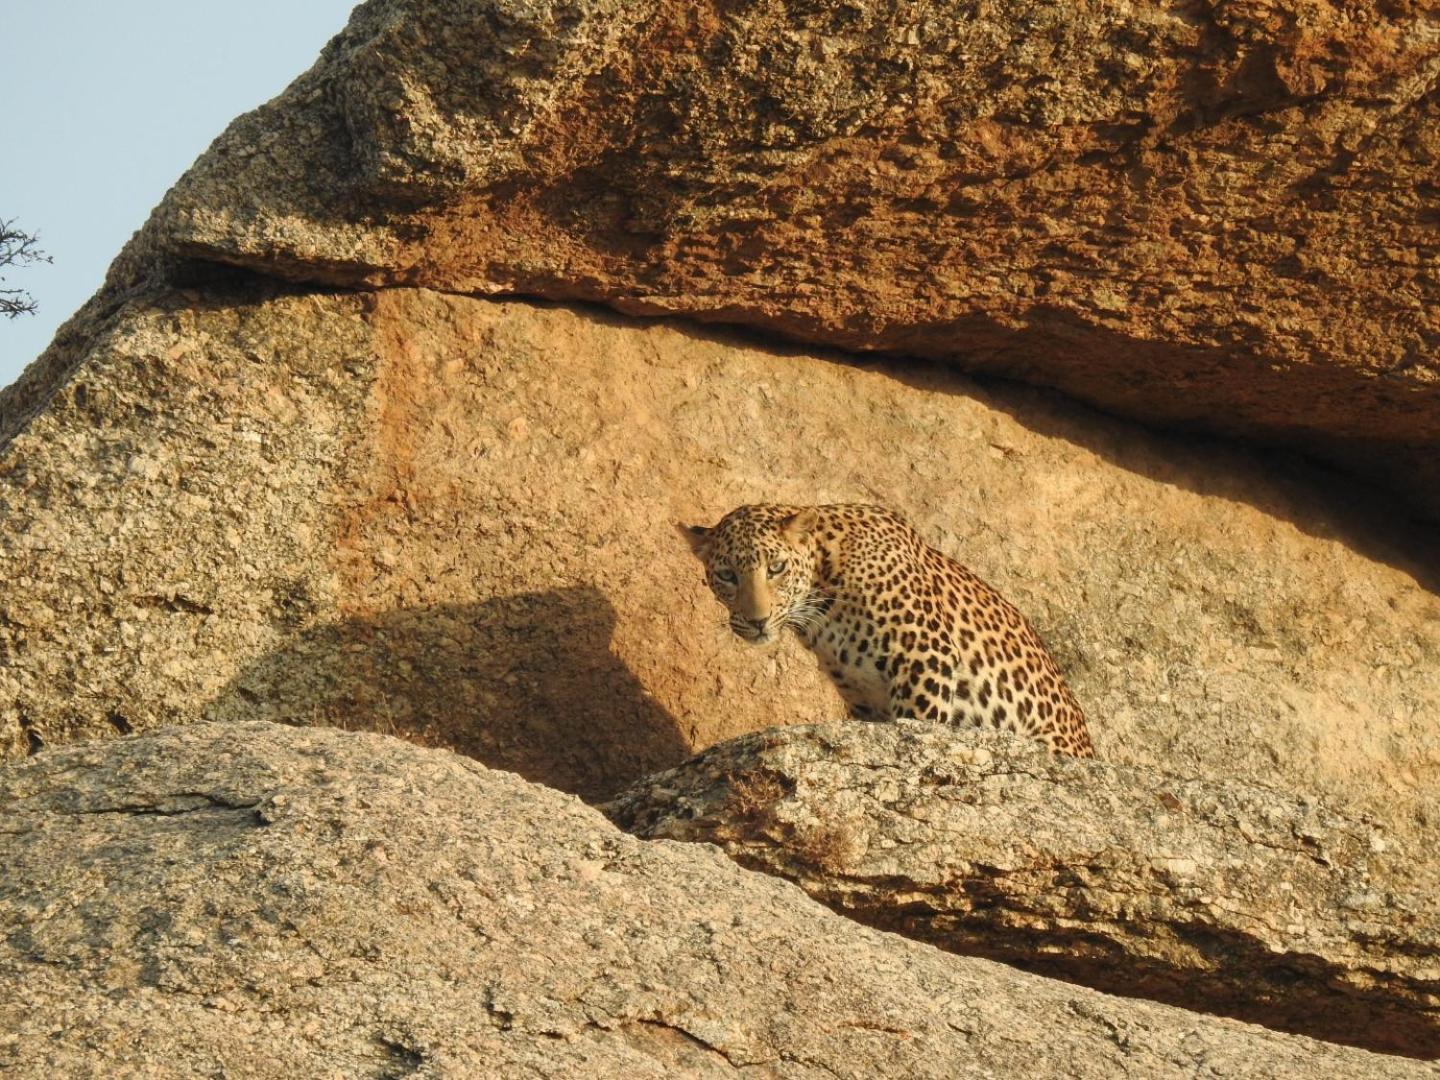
(105, 104)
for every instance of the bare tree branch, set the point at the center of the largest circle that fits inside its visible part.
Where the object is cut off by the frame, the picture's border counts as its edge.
(17, 248)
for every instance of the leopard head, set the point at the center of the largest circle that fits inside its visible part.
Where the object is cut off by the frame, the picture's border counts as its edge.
(760, 563)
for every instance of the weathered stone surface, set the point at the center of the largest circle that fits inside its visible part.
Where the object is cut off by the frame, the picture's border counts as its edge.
(453, 519)
(257, 900)
(1210, 214)
(1224, 897)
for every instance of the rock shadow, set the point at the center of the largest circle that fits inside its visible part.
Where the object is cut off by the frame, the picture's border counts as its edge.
(1286, 483)
(1297, 483)
(526, 683)
(1289, 475)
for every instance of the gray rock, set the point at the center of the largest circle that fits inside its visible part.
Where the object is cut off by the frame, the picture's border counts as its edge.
(1214, 895)
(256, 900)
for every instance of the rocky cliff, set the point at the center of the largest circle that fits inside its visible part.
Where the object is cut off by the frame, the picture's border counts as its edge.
(301, 461)
(453, 519)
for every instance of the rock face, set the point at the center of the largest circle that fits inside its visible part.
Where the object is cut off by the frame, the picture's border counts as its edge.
(1205, 214)
(453, 519)
(267, 901)
(236, 488)
(1218, 896)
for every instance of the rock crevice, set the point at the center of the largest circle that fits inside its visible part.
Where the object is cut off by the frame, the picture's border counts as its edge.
(1213, 895)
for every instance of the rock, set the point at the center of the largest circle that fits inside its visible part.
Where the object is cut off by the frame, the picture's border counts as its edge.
(1215, 216)
(235, 488)
(1222, 897)
(452, 519)
(257, 900)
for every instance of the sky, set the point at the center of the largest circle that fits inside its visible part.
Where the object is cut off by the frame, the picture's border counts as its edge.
(105, 105)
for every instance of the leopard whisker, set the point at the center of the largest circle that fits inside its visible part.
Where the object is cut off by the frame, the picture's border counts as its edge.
(804, 617)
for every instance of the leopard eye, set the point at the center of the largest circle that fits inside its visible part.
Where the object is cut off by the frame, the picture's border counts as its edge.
(725, 576)
(778, 567)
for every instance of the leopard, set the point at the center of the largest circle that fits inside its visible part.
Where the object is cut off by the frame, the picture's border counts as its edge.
(904, 631)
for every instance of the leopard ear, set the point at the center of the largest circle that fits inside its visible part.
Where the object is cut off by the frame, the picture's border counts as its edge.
(801, 524)
(698, 537)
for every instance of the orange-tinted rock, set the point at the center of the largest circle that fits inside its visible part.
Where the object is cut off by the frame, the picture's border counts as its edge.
(454, 519)
(1212, 215)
